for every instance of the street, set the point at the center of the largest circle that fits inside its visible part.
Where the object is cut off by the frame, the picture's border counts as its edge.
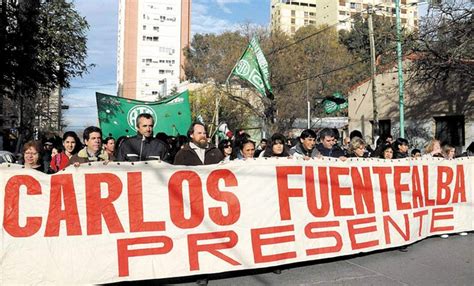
(433, 261)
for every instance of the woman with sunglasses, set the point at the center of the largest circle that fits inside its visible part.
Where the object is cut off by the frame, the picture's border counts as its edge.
(226, 148)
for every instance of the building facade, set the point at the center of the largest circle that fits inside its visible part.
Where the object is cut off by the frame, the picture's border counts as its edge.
(150, 57)
(428, 113)
(290, 15)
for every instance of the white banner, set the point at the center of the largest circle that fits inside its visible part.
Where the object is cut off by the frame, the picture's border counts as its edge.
(133, 221)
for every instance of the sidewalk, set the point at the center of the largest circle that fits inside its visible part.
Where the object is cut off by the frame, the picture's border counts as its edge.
(433, 261)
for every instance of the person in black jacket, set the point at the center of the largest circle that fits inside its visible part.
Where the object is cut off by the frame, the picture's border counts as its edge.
(328, 146)
(198, 151)
(143, 147)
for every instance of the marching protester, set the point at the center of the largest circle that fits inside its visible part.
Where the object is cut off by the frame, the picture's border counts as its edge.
(261, 147)
(276, 147)
(433, 149)
(415, 153)
(143, 146)
(71, 145)
(247, 149)
(327, 146)
(386, 151)
(92, 152)
(469, 150)
(382, 142)
(449, 152)
(198, 151)
(357, 148)
(225, 146)
(305, 148)
(31, 156)
(400, 148)
(47, 155)
(109, 147)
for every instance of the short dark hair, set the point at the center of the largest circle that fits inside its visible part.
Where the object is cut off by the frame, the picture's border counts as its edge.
(107, 139)
(89, 130)
(326, 132)
(355, 133)
(308, 133)
(383, 148)
(398, 142)
(191, 128)
(245, 141)
(414, 151)
(145, 115)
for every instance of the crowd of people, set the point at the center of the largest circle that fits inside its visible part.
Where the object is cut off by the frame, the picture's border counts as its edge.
(196, 149)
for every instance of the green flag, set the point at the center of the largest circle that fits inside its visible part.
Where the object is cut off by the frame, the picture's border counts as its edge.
(253, 67)
(117, 115)
(334, 103)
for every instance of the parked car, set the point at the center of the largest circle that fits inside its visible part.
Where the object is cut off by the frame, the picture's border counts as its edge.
(7, 157)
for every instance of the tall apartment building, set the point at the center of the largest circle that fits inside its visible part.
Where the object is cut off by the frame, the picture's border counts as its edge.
(152, 36)
(290, 15)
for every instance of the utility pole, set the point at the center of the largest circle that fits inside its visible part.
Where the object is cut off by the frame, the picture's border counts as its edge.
(308, 104)
(400, 71)
(217, 119)
(375, 125)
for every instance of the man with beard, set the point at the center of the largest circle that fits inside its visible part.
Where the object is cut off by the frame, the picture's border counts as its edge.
(198, 151)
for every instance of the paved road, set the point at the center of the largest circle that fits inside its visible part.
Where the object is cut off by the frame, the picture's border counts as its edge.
(433, 261)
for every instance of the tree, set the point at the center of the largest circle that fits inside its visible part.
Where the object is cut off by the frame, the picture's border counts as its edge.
(301, 66)
(43, 47)
(385, 35)
(445, 58)
(446, 46)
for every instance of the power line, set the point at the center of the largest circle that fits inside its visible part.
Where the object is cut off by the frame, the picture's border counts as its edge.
(331, 26)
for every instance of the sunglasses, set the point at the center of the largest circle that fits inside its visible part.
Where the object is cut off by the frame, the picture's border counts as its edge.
(228, 146)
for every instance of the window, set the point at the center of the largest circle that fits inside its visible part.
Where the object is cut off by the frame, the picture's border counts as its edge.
(293, 13)
(292, 21)
(353, 5)
(385, 127)
(450, 130)
(156, 28)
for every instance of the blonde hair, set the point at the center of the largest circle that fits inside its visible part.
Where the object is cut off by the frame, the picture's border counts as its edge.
(446, 148)
(429, 147)
(356, 142)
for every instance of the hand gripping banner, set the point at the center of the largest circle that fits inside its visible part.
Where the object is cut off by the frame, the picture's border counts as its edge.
(132, 221)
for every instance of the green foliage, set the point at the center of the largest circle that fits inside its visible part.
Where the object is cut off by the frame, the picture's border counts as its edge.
(212, 57)
(203, 103)
(43, 46)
